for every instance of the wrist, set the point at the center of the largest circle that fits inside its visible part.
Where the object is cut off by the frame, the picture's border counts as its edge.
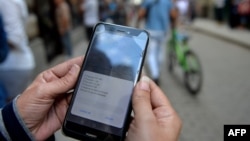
(21, 117)
(14, 124)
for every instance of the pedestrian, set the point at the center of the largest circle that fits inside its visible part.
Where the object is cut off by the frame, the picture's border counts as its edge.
(120, 14)
(219, 6)
(46, 24)
(157, 16)
(244, 13)
(183, 10)
(234, 18)
(63, 21)
(40, 110)
(103, 11)
(192, 10)
(90, 9)
(17, 69)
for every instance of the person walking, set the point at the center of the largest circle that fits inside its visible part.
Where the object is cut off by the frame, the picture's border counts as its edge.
(183, 10)
(157, 21)
(244, 13)
(17, 69)
(219, 6)
(63, 21)
(90, 9)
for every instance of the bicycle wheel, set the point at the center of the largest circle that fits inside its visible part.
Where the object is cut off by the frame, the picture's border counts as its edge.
(193, 74)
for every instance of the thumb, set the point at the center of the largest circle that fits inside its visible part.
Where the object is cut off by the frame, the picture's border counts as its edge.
(63, 84)
(141, 100)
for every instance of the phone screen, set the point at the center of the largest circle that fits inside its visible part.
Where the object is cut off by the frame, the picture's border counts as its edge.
(111, 68)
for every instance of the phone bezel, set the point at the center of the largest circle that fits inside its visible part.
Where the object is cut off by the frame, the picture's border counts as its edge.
(78, 130)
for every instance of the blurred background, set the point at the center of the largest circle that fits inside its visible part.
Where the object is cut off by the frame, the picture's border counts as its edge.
(219, 34)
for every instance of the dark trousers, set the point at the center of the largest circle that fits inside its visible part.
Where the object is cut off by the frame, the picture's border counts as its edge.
(219, 14)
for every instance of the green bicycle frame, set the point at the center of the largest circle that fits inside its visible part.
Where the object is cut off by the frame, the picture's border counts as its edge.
(180, 49)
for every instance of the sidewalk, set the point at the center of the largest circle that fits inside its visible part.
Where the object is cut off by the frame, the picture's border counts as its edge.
(209, 27)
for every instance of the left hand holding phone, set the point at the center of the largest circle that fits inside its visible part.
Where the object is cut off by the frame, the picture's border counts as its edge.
(44, 103)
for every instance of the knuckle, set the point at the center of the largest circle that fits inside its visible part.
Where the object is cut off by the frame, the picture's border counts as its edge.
(39, 90)
(140, 94)
(139, 97)
(66, 81)
(45, 76)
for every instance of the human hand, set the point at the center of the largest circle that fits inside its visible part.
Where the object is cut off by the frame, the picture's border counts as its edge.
(154, 117)
(44, 103)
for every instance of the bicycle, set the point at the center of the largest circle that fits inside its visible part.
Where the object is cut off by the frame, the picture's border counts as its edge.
(179, 53)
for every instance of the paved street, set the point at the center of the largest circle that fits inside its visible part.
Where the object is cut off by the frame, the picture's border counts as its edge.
(225, 95)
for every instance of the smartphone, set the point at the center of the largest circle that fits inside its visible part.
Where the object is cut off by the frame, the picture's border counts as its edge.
(100, 107)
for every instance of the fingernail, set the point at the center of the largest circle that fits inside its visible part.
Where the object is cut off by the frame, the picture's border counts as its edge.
(144, 83)
(74, 69)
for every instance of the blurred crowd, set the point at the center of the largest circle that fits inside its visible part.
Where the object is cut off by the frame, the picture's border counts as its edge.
(236, 13)
(55, 19)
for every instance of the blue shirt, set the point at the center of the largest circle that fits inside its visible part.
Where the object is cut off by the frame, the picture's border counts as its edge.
(158, 18)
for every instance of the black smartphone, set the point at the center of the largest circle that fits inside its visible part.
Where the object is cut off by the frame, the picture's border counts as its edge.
(100, 108)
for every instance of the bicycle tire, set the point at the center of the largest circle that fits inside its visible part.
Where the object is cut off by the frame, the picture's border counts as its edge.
(171, 61)
(192, 69)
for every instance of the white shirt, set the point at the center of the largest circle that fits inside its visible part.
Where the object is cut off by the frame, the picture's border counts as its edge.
(182, 6)
(14, 14)
(91, 15)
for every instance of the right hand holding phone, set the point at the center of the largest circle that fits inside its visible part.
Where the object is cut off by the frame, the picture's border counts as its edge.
(154, 117)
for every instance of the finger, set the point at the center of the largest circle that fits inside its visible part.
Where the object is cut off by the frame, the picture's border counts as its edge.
(62, 69)
(48, 76)
(141, 99)
(63, 84)
(158, 98)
